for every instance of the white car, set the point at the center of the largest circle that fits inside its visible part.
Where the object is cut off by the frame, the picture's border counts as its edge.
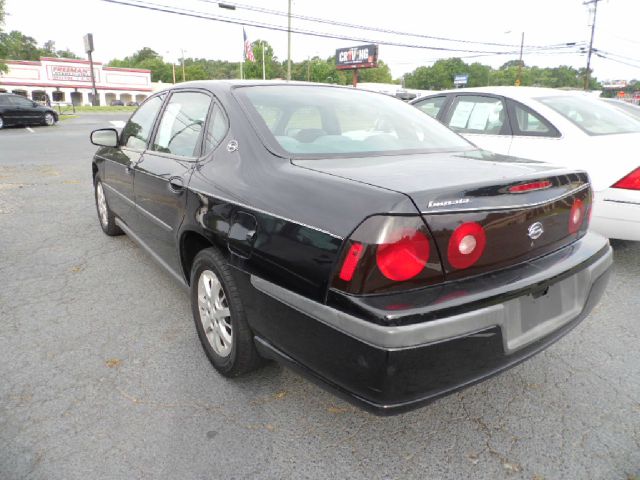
(556, 126)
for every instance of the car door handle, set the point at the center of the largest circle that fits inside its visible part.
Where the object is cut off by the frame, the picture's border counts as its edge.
(176, 185)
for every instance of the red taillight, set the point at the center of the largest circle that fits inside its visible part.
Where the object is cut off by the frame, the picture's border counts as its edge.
(404, 259)
(466, 245)
(388, 253)
(576, 216)
(527, 187)
(630, 182)
(351, 261)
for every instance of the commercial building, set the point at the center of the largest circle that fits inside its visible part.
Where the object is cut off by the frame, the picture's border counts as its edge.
(62, 80)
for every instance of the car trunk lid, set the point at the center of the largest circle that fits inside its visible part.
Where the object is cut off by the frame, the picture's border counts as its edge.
(524, 207)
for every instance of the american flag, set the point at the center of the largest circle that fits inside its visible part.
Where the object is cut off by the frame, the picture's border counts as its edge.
(248, 51)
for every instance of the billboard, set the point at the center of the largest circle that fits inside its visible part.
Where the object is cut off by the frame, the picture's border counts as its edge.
(70, 73)
(363, 56)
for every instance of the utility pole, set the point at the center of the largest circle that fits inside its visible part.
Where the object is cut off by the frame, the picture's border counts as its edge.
(519, 77)
(182, 52)
(289, 44)
(587, 73)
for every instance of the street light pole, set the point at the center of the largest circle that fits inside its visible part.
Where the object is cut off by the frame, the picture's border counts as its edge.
(289, 44)
(264, 73)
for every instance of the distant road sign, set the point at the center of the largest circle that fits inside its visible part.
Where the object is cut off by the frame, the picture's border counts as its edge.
(460, 80)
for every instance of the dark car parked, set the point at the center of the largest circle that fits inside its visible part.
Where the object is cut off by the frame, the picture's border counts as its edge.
(349, 236)
(18, 110)
(117, 103)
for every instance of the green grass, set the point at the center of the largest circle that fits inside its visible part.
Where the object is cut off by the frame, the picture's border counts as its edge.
(106, 108)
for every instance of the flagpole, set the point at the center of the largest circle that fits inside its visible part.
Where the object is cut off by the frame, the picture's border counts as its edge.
(264, 76)
(244, 50)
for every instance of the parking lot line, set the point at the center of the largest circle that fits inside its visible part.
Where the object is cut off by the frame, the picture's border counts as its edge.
(30, 129)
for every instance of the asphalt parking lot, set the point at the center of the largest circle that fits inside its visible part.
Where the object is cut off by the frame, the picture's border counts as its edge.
(102, 375)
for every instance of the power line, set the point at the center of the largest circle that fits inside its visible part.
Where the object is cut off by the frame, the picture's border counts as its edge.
(327, 21)
(208, 16)
(606, 57)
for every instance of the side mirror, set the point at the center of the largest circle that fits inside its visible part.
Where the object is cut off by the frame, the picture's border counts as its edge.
(105, 137)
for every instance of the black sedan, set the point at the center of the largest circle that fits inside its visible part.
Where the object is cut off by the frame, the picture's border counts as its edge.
(349, 236)
(18, 110)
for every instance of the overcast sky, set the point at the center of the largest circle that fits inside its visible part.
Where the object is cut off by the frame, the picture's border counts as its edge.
(120, 30)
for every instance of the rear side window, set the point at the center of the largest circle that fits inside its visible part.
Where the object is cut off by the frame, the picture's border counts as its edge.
(593, 116)
(432, 106)
(181, 124)
(217, 128)
(477, 114)
(529, 123)
(137, 130)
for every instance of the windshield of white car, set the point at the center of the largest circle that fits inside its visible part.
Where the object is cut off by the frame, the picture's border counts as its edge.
(319, 122)
(593, 116)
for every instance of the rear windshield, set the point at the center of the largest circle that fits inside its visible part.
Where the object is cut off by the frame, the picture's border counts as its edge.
(317, 121)
(593, 116)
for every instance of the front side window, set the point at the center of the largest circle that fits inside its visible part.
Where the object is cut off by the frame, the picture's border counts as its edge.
(137, 130)
(181, 124)
(21, 102)
(593, 116)
(432, 106)
(318, 122)
(477, 114)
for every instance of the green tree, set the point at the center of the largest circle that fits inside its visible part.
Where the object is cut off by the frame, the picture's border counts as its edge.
(273, 68)
(18, 46)
(381, 74)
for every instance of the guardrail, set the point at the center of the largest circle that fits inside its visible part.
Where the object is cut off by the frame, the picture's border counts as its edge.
(65, 108)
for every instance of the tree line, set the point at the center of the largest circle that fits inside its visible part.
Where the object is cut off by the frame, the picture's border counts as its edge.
(440, 75)
(313, 69)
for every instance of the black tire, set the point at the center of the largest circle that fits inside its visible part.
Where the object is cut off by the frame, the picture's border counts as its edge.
(49, 119)
(108, 222)
(243, 356)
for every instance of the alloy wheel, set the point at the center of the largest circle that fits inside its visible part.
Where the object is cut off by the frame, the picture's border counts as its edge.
(214, 313)
(48, 119)
(102, 204)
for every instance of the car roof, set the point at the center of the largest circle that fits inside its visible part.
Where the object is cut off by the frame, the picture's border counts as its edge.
(516, 92)
(218, 86)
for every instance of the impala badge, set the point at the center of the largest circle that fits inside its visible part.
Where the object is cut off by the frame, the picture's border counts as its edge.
(535, 231)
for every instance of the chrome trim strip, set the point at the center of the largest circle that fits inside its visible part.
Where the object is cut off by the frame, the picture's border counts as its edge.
(121, 195)
(621, 201)
(506, 315)
(154, 255)
(164, 225)
(509, 207)
(256, 209)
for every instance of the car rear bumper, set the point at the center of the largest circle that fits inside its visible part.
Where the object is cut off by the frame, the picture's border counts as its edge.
(616, 214)
(432, 347)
